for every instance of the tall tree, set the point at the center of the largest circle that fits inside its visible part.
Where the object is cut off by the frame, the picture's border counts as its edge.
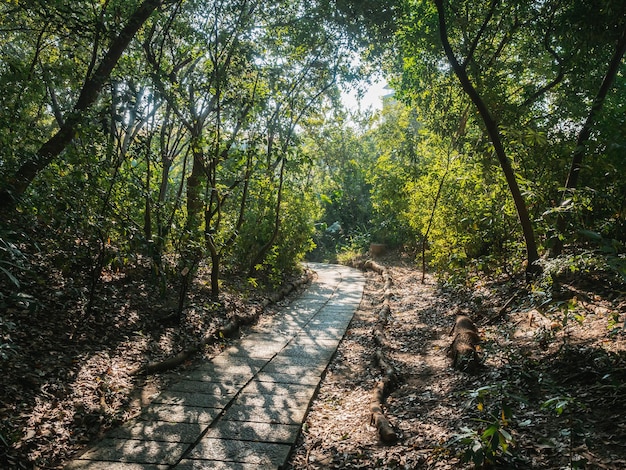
(524, 68)
(585, 133)
(97, 75)
(491, 127)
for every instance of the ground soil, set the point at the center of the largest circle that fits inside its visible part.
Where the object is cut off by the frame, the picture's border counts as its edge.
(67, 375)
(553, 390)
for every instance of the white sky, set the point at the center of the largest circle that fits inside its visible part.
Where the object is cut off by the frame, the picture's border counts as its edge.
(371, 99)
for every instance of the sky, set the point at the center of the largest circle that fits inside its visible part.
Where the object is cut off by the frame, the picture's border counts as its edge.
(372, 98)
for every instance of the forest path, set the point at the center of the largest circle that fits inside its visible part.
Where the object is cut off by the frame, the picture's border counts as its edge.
(425, 409)
(244, 408)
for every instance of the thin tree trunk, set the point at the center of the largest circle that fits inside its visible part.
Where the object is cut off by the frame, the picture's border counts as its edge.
(584, 135)
(432, 217)
(194, 185)
(260, 256)
(494, 134)
(147, 215)
(17, 185)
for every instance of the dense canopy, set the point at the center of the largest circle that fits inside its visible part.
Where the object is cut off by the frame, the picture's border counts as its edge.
(206, 141)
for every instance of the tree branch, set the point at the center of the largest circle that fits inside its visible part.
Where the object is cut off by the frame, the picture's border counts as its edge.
(90, 91)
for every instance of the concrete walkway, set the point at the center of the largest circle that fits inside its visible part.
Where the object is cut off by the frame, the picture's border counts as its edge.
(243, 409)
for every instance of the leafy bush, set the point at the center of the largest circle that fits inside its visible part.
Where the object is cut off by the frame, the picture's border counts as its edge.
(491, 440)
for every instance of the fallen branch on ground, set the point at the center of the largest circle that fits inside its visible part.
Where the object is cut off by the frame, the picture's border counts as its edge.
(390, 376)
(502, 311)
(228, 330)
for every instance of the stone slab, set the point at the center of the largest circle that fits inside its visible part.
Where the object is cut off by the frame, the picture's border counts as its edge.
(309, 363)
(281, 377)
(137, 451)
(257, 432)
(312, 353)
(227, 367)
(321, 332)
(263, 414)
(302, 340)
(324, 323)
(279, 402)
(276, 389)
(260, 350)
(313, 370)
(179, 414)
(264, 455)
(200, 386)
(194, 399)
(103, 465)
(159, 431)
(189, 464)
(233, 378)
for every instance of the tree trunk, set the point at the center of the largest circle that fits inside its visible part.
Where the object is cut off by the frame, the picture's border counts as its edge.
(260, 256)
(194, 186)
(215, 270)
(19, 182)
(432, 215)
(584, 135)
(494, 134)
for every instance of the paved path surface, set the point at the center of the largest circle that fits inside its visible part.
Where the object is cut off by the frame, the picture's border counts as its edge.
(243, 409)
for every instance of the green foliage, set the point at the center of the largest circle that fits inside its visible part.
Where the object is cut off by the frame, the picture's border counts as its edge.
(558, 404)
(344, 151)
(355, 246)
(295, 237)
(492, 441)
(12, 260)
(181, 150)
(392, 174)
(537, 109)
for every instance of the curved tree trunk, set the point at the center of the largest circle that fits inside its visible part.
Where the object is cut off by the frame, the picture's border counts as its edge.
(494, 134)
(585, 134)
(432, 216)
(23, 177)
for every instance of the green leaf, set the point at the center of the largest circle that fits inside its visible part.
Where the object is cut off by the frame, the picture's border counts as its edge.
(594, 236)
(11, 277)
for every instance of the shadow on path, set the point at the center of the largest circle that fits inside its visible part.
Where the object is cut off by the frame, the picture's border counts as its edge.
(244, 408)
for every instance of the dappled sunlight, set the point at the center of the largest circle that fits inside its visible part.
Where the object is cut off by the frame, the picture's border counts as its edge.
(246, 404)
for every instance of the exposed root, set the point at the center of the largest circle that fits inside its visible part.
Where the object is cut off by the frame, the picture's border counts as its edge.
(390, 376)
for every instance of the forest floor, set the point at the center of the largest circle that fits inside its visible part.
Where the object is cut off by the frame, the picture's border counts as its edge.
(551, 391)
(70, 373)
(549, 396)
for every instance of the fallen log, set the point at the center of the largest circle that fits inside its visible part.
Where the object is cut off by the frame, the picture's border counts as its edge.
(389, 372)
(502, 310)
(382, 424)
(463, 323)
(462, 351)
(228, 330)
(169, 363)
(379, 335)
(388, 283)
(384, 313)
(374, 266)
(390, 376)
